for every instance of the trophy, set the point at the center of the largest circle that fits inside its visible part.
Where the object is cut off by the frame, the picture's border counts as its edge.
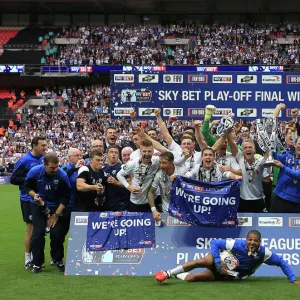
(267, 137)
(226, 123)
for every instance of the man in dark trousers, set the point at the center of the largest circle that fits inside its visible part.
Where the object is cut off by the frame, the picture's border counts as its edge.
(22, 167)
(49, 187)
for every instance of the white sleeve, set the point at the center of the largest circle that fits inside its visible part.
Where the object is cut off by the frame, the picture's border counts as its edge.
(229, 244)
(234, 164)
(239, 155)
(194, 172)
(126, 170)
(175, 147)
(268, 254)
(135, 154)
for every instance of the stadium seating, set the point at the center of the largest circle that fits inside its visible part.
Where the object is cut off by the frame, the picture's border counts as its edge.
(7, 34)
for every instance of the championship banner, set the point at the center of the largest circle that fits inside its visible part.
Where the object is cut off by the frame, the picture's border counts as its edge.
(119, 230)
(177, 243)
(184, 94)
(205, 204)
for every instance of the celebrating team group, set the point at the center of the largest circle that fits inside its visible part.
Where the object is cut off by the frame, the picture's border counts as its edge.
(115, 179)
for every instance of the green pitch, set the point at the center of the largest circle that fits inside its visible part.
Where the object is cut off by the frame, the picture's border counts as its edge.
(18, 283)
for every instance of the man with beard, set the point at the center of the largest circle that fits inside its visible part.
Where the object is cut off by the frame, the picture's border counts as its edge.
(137, 140)
(287, 190)
(252, 194)
(163, 179)
(90, 185)
(142, 171)
(186, 157)
(249, 254)
(116, 195)
(209, 171)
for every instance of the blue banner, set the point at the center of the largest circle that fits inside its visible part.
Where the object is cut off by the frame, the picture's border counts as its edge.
(178, 242)
(108, 68)
(119, 230)
(249, 95)
(205, 204)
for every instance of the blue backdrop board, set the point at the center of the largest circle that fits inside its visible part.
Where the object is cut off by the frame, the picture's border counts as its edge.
(249, 95)
(4, 179)
(177, 242)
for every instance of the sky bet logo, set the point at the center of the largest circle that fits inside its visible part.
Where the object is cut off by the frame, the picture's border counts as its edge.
(197, 79)
(222, 78)
(123, 78)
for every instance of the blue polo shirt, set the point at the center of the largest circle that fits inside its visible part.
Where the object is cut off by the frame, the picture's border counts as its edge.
(52, 189)
(22, 167)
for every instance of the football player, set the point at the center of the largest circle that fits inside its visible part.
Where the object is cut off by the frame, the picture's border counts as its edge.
(246, 257)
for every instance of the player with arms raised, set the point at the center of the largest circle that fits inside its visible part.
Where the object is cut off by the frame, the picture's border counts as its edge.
(245, 257)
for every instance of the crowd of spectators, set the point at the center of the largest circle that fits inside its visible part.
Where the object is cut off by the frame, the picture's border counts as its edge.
(209, 44)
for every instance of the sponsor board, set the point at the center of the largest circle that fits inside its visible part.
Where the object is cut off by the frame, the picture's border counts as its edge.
(222, 79)
(265, 68)
(171, 221)
(294, 222)
(123, 111)
(196, 78)
(289, 112)
(146, 112)
(247, 79)
(148, 78)
(270, 221)
(123, 78)
(271, 79)
(268, 112)
(207, 69)
(129, 256)
(293, 79)
(81, 220)
(173, 112)
(200, 112)
(173, 78)
(244, 221)
(140, 95)
(247, 112)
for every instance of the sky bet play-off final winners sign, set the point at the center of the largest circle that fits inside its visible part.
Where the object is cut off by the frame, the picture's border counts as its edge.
(249, 95)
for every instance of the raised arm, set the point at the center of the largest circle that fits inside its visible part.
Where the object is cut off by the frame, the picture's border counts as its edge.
(156, 145)
(232, 144)
(199, 137)
(163, 128)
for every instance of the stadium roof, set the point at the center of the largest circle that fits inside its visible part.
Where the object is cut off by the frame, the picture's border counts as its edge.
(149, 6)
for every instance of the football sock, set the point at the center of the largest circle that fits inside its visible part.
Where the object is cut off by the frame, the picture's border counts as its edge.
(175, 271)
(27, 257)
(182, 276)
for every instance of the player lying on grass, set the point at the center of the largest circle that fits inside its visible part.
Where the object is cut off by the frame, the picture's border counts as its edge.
(230, 259)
